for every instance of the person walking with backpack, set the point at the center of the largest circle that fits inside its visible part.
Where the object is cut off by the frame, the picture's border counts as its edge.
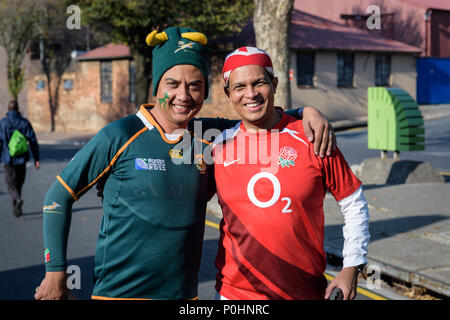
(15, 133)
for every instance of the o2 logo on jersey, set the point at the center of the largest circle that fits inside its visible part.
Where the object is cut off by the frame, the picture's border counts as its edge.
(275, 196)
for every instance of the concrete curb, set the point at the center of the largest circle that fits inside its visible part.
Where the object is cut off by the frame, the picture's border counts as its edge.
(411, 277)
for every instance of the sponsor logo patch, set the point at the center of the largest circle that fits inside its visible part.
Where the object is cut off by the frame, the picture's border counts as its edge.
(150, 164)
(176, 154)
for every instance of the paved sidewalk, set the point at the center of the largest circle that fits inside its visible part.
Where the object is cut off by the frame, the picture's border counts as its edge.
(410, 232)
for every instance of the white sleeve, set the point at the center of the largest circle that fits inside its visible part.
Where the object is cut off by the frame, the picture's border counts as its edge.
(356, 228)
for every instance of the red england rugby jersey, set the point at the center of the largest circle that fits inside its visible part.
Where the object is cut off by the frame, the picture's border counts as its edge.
(271, 188)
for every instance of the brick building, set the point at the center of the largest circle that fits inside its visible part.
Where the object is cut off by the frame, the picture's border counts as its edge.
(96, 89)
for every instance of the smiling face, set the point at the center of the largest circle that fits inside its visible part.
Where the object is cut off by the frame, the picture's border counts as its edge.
(179, 98)
(251, 91)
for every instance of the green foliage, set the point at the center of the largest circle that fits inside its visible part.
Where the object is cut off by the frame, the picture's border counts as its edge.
(215, 17)
(15, 78)
(130, 21)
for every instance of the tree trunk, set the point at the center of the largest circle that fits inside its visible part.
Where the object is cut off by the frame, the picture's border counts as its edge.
(143, 78)
(272, 21)
(50, 99)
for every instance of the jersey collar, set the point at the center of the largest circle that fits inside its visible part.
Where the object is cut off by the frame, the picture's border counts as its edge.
(150, 122)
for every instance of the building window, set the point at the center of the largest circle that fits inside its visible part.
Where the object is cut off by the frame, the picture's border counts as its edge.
(40, 85)
(382, 70)
(68, 84)
(305, 69)
(345, 69)
(132, 75)
(106, 81)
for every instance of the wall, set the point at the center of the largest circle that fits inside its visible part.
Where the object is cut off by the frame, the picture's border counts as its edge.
(433, 85)
(439, 34)
(81, 109)
(345, 103)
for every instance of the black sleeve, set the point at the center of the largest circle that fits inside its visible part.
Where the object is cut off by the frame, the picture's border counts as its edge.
(208, 128)
(31, 137)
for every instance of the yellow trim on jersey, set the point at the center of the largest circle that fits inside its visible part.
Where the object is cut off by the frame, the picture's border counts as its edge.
(74, 195)
(114, 159)
(152, 120)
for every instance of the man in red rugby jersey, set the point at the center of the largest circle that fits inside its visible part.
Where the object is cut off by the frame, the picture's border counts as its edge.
(271, 186)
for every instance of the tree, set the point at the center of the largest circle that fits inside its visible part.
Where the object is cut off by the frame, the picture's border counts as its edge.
(17, 28)
(272, 21)
(130, 21)
(56, 42)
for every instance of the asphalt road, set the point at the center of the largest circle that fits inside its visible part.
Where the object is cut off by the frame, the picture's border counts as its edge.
(353, 144)
(21, 265)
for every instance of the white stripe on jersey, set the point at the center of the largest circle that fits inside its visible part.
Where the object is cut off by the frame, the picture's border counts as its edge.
(293, 134)
(144, 120)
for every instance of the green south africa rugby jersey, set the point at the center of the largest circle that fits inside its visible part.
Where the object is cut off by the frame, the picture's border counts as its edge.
(155, 195)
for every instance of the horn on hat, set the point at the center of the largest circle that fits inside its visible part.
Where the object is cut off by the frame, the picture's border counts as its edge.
(154, 38)
(195, 36)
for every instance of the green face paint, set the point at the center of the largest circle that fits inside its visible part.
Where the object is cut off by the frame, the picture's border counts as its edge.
(163, 101)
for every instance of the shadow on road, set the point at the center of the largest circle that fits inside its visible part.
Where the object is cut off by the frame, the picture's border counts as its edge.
(20, 284)
(57, 153)
(207, 270)
(387, 228)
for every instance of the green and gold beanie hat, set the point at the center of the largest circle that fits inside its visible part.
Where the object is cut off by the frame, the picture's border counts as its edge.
(176, 46)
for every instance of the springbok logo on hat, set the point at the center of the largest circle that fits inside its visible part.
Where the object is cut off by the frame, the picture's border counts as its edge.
(245, 56)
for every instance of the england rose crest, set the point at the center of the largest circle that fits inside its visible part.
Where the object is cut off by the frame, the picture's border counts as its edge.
(287, 157)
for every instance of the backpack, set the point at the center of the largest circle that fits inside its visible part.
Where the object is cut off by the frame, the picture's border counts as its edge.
(17, 144)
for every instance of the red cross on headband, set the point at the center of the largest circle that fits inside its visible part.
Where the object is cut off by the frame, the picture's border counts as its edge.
(245, 56)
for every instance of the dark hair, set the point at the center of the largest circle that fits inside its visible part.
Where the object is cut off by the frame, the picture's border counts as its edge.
(266, 73)
(13, 105)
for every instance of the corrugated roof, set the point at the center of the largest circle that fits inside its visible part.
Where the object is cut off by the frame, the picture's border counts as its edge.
(110, 51)
(312, 32)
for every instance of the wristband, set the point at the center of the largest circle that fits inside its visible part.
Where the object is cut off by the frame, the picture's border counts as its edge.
(300, 112)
